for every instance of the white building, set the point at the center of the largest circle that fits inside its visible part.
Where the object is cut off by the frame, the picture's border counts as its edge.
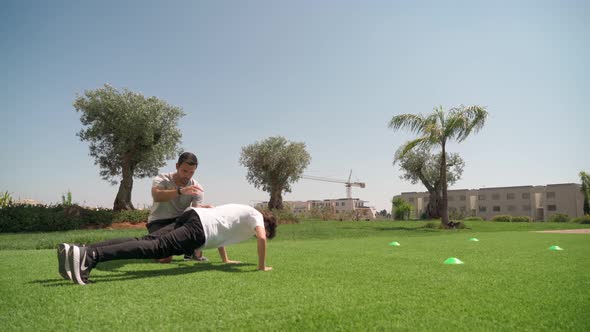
(340, 206)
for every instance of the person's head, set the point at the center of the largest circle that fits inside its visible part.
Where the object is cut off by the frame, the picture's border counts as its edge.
(270, 224)
(186, 166)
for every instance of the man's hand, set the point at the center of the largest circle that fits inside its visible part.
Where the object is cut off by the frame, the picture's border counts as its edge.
(229, 261)
(193, 190)
(265, 268)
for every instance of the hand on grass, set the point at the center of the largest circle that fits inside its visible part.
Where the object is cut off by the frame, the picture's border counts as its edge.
(266, 268)
(229, 261)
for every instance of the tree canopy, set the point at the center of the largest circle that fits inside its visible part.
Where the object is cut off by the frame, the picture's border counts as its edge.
(129, 135)
(421, 165)
(273, 164)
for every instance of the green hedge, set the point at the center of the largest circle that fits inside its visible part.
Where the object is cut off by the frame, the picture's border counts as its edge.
(559, 217)
(502, 218)
(46, 218)
(473, 219)
(582, 220)
(522, 219)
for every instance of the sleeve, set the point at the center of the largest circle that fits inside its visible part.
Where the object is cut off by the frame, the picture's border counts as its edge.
(157, 182)
(258, 219)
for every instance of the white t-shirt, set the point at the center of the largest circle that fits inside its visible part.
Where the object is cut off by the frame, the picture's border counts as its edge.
(176, 206)
(227, 224)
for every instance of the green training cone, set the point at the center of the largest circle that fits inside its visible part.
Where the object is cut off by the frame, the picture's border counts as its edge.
(394, 244)
(474, 239)
(453, 260)
(555, 248)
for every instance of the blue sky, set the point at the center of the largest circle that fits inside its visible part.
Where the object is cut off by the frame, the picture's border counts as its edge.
(327, 73)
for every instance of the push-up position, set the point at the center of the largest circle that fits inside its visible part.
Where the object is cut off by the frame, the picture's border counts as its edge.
(197, 228)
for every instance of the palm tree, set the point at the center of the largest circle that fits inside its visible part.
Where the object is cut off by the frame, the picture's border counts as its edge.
(437, 129)
(585, 177)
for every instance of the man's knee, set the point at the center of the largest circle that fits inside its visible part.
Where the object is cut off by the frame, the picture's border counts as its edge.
(164, 260)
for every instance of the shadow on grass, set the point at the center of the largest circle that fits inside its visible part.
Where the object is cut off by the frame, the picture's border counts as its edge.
(177, 268)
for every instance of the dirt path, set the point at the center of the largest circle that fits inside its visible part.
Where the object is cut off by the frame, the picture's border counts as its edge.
(568, 231)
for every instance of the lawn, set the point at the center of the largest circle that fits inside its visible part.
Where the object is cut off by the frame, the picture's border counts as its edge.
(327, 276)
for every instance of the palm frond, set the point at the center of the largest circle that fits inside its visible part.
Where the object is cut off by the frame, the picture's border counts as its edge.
(465, 120)
(408, 146)
(414, 122)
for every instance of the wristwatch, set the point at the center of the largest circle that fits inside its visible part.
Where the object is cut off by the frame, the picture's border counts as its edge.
(178, 191)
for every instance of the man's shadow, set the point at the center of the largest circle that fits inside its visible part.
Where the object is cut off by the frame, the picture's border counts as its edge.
(176, 268)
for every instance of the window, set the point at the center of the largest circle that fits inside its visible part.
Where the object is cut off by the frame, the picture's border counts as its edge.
(482, 209)
(551, 207)
(462, 197)
(495, 197)
(481, 197)
(510, 196)
(496, 209)
(526, 195)
(526, 207)
(551, 194)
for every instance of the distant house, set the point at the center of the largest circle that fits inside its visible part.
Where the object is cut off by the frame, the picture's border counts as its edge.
(340, 206)
(27, 201)
(537, 202)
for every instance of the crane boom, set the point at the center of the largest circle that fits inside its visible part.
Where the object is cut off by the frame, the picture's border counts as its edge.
(348, 184)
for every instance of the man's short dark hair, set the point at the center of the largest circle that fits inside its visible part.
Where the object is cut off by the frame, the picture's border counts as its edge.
(270, 224)
(188, 158)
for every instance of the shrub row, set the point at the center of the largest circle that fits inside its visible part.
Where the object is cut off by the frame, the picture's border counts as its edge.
(473, 219)
(582, 220)
(46, 218)
(508, 218)
(559, 217)
(284, 216)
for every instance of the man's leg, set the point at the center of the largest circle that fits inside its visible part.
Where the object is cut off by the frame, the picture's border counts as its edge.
(160, 227)
(184, 239)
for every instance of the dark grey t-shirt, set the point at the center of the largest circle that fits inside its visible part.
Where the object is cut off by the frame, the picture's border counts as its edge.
(176, 206)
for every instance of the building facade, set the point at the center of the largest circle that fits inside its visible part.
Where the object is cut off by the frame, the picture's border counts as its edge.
(537, 202)
(339, 207)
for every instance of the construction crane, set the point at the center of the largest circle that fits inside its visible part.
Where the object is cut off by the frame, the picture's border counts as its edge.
(348, 184)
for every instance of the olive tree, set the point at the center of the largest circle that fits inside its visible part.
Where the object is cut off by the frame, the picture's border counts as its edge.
(273, 164)
(421, 165)
(129, 136)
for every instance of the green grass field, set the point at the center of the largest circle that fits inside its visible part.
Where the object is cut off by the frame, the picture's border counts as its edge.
(327, 276)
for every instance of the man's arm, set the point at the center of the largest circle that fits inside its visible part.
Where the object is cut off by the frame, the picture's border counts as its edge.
(206, 206)
(164, 195)
(223, 255)
(261, 244)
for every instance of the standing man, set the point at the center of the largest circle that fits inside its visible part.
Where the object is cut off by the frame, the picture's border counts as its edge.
(172, 194)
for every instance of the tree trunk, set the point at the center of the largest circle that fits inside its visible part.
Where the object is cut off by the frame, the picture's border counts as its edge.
(276, 199)
(433, 208)
(123, 200)
(443, 179)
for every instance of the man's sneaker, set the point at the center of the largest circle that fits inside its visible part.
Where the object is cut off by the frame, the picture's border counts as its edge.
(62, 260)
(194, 258)
(81, 260)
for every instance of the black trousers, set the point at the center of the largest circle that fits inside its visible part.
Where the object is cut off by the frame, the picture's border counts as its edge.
(156, 225)
(181, 237)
